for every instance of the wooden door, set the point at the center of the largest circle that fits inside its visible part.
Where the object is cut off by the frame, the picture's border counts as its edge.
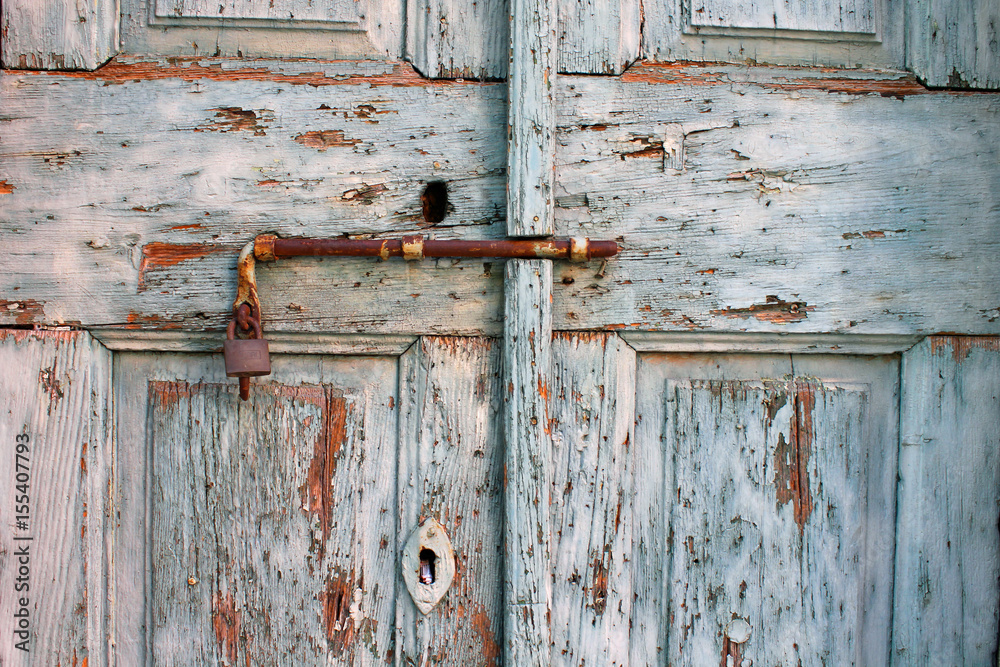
(746, 440)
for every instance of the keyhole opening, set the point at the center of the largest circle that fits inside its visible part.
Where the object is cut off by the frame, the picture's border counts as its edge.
(427, 560)
(434, 201)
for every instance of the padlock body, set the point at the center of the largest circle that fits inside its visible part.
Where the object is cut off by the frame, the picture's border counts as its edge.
(246, 358)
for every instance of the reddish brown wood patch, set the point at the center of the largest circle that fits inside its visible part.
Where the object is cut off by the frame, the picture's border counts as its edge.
(317, 491)
(336, 602)
(6, 188)
(323, 139)
(791, 458)
(773, 310)
(962, 345)
(157, 256)
(235, 119)
(226, 623)
(25, 311)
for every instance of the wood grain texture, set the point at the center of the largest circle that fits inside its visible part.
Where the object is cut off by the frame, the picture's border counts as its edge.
(948, 546)
(598, 37)
(58, 34)
(531, 117)
(54, 388)
(450, 39)
(850, 16)
(370, 29)
(769, 224)
(815, 220)
(851, 34)
(771, 500)
(954, 44)
(286, 10)
(527, 356)
(591, 418)
(451, 469)
(272, 521)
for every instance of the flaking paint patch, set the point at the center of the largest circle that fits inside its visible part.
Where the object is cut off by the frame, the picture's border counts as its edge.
(483, 627)
(49, 382)
(6, 188)
(237, 119)
(336, 602)
(226, 620)
(125, 69)
(962, 345)
(25, 311)
(791, 458)
(323, 139)
(157, 256)
(318, 491)
(774, 310)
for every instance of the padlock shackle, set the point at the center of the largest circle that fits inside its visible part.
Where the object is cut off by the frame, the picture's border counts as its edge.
(231, 329)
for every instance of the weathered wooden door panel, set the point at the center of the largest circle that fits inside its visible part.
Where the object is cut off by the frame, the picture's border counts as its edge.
(272, 524)
(947, 583)
(275, 527)
(55, 415)
(767, 494)
(451, 468)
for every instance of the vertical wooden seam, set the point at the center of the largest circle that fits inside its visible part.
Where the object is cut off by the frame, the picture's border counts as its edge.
(527, 460)
(531, 118)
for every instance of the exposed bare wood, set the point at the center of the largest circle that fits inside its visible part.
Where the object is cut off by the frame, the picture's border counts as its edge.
(451, 469)
(948, 547)
(450, 39)
(527, 459)
(953, 43)
(58, 34)
(531, 117)
(591, 417)
(56, 512)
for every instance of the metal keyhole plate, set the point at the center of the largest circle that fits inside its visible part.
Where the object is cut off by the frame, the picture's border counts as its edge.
(428, 564)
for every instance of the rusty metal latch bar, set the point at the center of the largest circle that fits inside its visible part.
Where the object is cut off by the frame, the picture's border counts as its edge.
(268, 248)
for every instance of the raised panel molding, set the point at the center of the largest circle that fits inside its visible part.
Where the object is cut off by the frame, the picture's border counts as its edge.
(844, 16)
(338, 29)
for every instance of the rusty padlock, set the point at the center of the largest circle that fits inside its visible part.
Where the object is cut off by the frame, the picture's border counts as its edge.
(246, 357)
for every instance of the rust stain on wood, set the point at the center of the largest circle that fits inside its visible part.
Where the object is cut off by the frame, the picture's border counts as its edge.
(136, 320)
(226, 623)
(6, 188)
(323, 139)
(164, 393)
(317, 490)
(159, 255)
(962, 345)
(791, 458)
(773, 310)
(25, 311)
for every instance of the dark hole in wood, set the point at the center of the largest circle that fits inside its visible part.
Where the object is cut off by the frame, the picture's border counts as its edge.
(427, 560)
(435, 201)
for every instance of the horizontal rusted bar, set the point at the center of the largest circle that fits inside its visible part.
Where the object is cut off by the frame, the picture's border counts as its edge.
(267, 247)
